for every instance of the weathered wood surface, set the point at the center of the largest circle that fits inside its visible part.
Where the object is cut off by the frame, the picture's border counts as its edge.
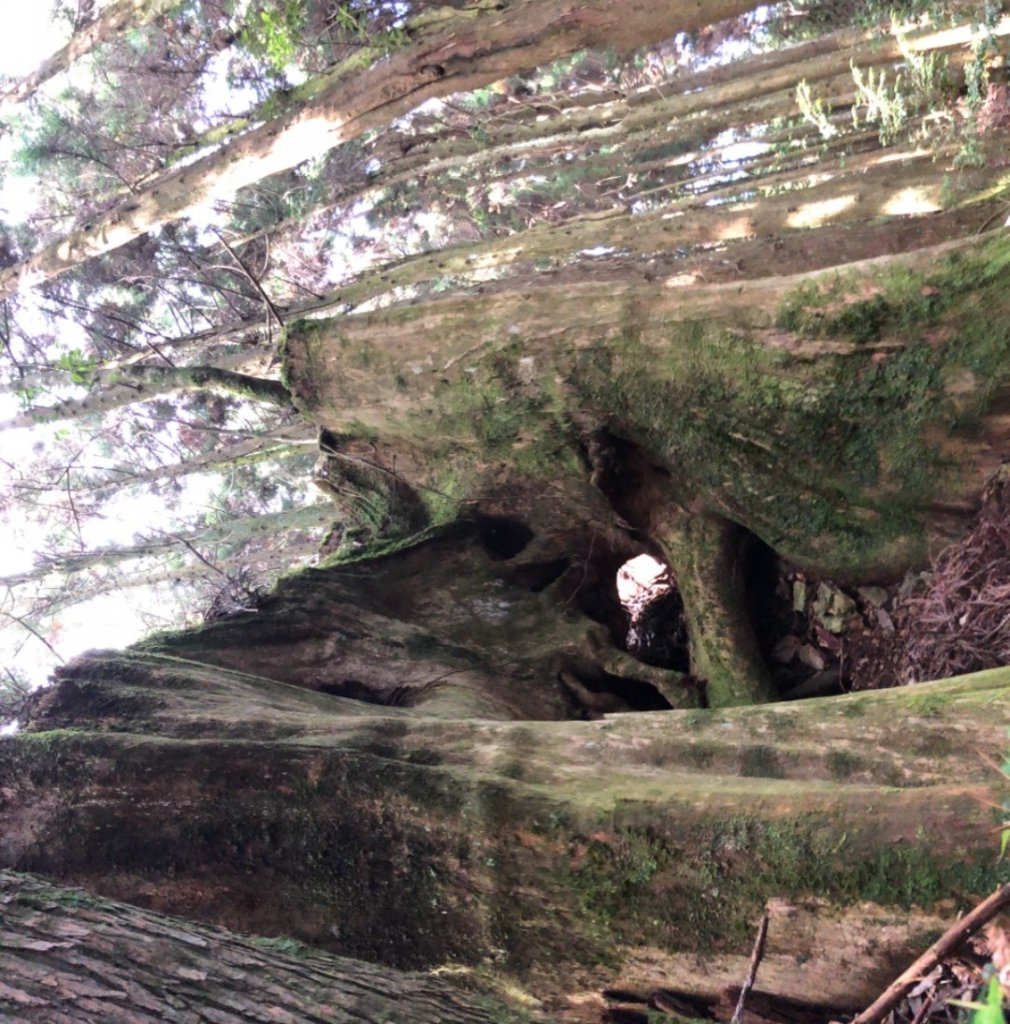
(69, 957)
(650, 842)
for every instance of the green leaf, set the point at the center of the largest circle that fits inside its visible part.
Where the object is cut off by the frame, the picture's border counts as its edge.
(992, 1011)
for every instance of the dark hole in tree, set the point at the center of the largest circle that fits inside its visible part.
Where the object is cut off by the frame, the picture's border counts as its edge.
(770, 614)
(593, 695)
(803, 658)
(502, 537)
(354, 690)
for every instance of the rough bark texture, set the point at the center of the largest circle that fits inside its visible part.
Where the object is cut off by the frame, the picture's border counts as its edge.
(761, 88)
(70, 957)
(646, 842)
(462, 50)
(848, 417)
(412, 754)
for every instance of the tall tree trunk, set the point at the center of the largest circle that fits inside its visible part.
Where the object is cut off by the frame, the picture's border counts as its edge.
(284, 443)
(618, 130)
(232, 532)
(115, 18)
(126, 385)
(72, 957)
(462, 50)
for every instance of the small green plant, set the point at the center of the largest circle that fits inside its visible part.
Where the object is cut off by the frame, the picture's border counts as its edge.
(815, 110)
(80, 367)
(892, 105)
(989, 1012)
(272, 34)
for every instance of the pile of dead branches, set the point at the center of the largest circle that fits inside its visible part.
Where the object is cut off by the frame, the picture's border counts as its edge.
(958, 619)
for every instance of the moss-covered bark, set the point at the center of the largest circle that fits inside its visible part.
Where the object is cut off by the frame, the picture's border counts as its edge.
(847, 418)
(567, 854)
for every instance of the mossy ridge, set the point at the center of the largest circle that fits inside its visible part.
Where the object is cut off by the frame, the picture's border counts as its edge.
(828, 457)
(900, 297)
(798, 461)
(499, 416)
(704, 886)
(507, 408)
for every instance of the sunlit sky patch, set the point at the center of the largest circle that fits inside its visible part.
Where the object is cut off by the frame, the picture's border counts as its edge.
(30, 34)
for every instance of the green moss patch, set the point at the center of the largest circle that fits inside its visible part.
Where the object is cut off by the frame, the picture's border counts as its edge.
(703, 887)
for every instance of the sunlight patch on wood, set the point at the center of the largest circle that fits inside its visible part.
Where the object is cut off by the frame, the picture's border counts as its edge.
(962, 35)
(919, 199)
(741, 227)
(813, 215)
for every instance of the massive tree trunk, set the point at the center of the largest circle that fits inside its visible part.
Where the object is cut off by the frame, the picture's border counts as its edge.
(70, 957)
(847, 418)
(398, 782)
(461, 49)
(437, 747)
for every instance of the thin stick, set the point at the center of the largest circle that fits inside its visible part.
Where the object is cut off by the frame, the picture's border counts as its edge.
(755, 962)
(942, 948)
(271, 308)
(35, 633)
(927, 1005)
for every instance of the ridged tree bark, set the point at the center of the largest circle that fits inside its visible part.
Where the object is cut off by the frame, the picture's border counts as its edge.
(762, 88)
(248, 775)
(462, 50)
(71, 957)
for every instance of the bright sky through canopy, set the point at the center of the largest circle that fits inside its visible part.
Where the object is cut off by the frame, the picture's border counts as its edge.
(29, 35)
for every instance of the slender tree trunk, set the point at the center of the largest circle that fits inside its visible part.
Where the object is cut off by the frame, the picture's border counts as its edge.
(115, 18)
(762, 89)
(466, 49)
(231, 531)
(136, 383)
(240, 453)
(850, 191)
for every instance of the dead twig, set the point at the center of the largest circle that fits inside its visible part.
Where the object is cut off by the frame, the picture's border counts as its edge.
(927, 1005)
(35, 633)
(272, 310)
(755, 962)
(939, 951)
